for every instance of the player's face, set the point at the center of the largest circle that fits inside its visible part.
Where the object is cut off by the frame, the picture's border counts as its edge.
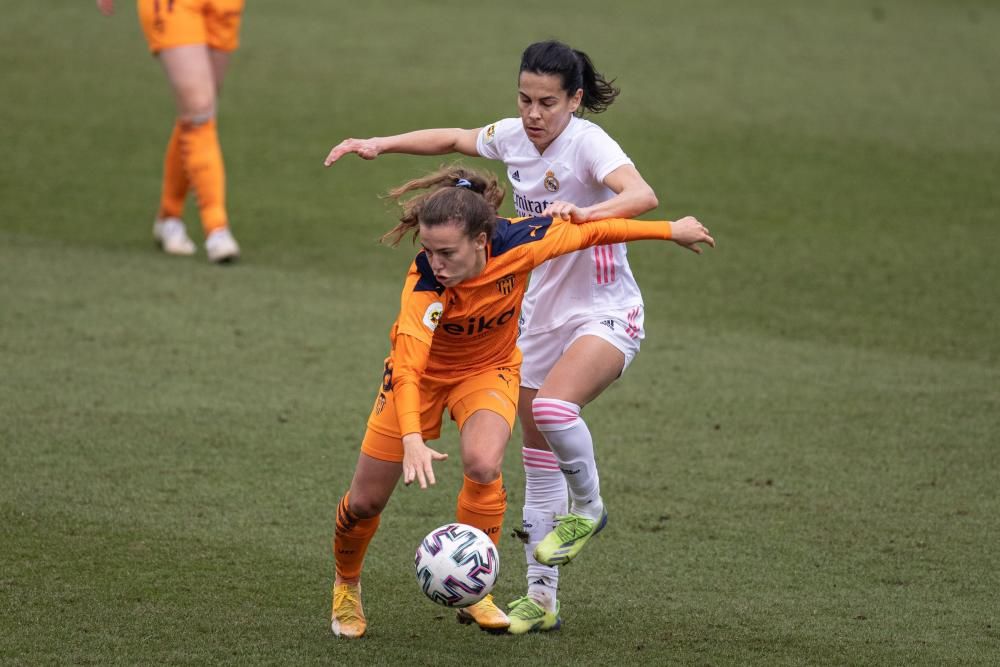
(545, 107)
(454, 257)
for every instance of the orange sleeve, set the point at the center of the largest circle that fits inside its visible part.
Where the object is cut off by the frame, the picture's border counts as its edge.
(564, 237)
(409, 359)
(420, 310)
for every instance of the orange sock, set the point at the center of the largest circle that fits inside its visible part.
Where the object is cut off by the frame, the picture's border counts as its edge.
(199, 144)
(350, 540)
(175, 182)
(482, 506)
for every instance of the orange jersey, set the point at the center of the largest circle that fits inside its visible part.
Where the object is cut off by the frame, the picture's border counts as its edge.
(453, 332)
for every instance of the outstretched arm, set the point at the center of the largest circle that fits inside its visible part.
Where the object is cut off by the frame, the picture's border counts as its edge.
(420, 142)
(564, 237)
(689, 232)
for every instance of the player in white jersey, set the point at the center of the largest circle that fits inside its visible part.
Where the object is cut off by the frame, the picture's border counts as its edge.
(583, 313)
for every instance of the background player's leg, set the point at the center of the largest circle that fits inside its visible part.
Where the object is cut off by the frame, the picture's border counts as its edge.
(192, 71)
(220, 65)
(175, 181)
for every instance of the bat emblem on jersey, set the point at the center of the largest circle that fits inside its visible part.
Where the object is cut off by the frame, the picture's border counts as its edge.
(506, 284)
(433, 315)
(387, 376)
(551, 182)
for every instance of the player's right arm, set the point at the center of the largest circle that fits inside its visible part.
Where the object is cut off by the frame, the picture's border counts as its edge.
(439, 141)
(420, 310)
(409, 357)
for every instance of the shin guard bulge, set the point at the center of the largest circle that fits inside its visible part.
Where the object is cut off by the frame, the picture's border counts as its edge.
(568, 436)
(482, 506)
(351, 539)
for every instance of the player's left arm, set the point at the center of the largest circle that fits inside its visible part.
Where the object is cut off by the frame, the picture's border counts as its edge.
(563, 237)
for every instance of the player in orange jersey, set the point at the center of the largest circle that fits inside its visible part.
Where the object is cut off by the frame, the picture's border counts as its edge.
(193, 40)
(453, 346)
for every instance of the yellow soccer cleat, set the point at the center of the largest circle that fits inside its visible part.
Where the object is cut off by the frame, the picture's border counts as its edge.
(486, 615)
(348, 618)
(564, 543)
(526, 616)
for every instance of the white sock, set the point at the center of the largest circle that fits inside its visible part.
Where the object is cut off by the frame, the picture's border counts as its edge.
(569, 438)
(544, 498)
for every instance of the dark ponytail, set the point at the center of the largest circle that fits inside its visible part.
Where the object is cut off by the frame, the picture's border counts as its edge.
(575, 70)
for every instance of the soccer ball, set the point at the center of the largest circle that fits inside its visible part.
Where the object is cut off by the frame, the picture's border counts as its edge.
(457, 565)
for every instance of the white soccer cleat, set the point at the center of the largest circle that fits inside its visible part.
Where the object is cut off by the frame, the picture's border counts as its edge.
(221, 247)
(172, 237)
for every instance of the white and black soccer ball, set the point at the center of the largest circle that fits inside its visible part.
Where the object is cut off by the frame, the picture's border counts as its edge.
(457, 565)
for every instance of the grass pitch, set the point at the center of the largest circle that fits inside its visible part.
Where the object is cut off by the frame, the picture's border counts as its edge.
(801, 466)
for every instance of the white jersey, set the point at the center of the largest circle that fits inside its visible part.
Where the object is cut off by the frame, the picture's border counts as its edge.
(572, 169)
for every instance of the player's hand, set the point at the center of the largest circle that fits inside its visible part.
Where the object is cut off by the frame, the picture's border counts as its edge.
(418, 459)
(688, 232)
(365, 148)
(107, 7)
(566, 211)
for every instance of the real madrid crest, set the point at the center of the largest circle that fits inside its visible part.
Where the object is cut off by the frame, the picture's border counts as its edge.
(551, 182)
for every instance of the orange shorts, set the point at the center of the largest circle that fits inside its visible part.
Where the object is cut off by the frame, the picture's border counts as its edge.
(494, 390)
(170, 23)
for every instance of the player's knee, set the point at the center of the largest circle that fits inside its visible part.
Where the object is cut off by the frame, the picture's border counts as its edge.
(552, 414)
(365, 507)
(482, 471)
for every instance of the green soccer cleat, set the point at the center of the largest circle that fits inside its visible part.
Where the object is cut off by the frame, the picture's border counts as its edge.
(564, 543)
(526, 616)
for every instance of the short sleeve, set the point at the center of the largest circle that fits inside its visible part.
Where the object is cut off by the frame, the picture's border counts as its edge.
(421, 305)
(491, 140)
(600, 153)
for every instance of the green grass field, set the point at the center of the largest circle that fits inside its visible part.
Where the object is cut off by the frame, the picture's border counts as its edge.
(802, 466)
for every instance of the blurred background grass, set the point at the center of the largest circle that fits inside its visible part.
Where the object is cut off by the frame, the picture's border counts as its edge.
(801, 465)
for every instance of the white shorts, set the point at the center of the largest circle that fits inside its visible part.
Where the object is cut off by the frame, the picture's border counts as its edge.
(541, 351)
